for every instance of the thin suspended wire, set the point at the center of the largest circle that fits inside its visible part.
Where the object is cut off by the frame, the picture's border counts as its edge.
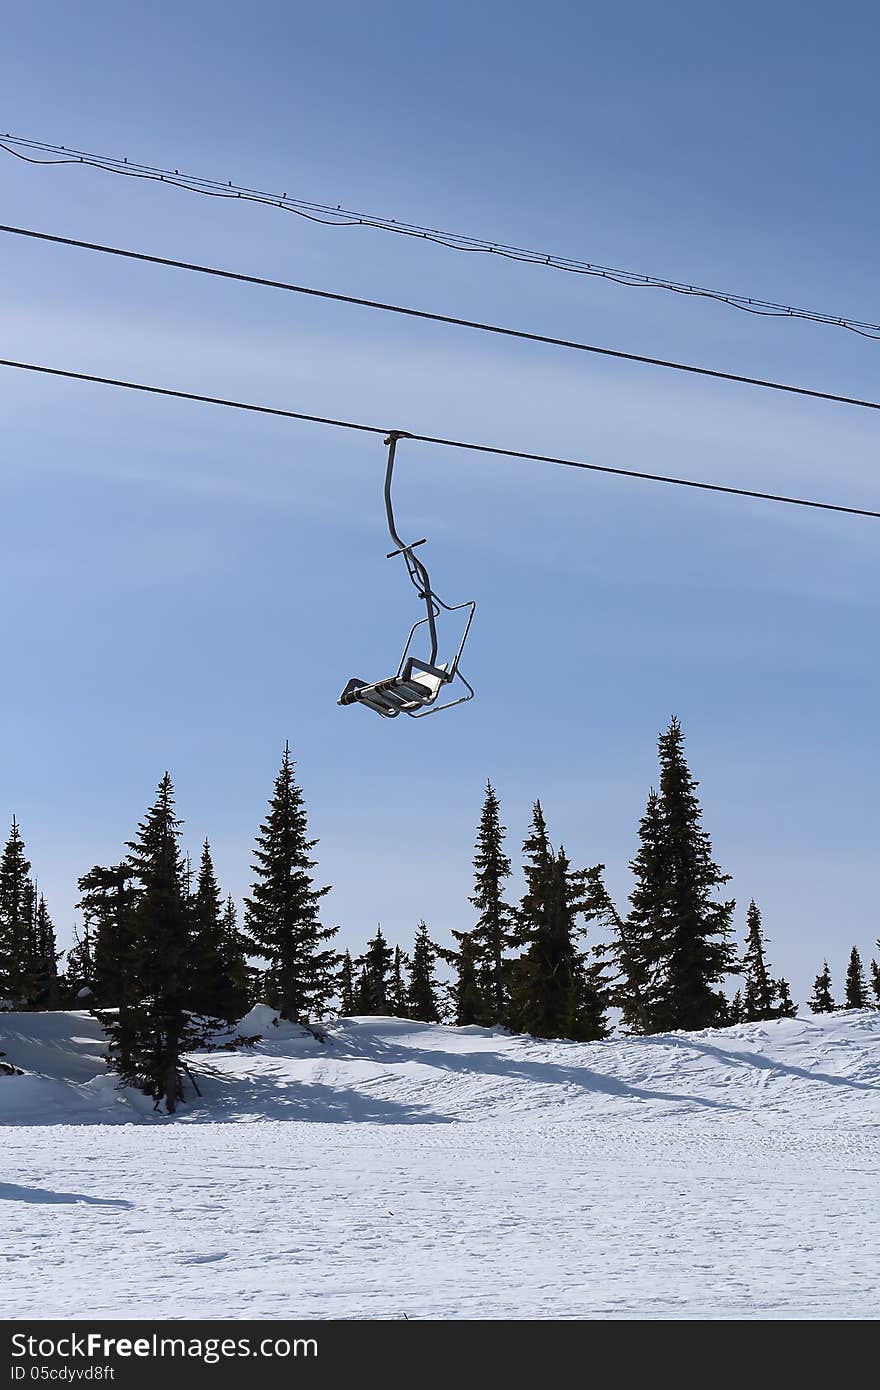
(460, 444)
(330, 216)
(408, 312)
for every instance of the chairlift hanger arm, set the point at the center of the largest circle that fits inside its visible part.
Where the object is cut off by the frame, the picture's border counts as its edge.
(414, 567)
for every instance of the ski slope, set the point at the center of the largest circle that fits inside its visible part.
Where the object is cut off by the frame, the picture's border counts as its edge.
(403, 1169)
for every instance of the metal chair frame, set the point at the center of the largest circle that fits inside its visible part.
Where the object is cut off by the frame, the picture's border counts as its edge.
(403, 693)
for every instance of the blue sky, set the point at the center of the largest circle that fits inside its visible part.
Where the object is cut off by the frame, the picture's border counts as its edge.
(187, 588)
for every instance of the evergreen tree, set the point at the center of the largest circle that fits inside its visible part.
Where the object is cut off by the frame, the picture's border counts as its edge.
(346, 986)
(422, 997)
(493, 933)
(786, 1007)
(556, 993)
(397, 996)
(44, 984)
(373, 993)
(215, 952)
(108, 896)
(150, 1031)
(759, 988)
(589, 1021)
(17, 959)
(875, 981)
(822, 1002)
(628, 991)
(698, 928)
(466, 995)
(205, 964)
(856, 988)
(736, 1012)
(78, 980)
(643, 947)
(281, 916)
(238, 973)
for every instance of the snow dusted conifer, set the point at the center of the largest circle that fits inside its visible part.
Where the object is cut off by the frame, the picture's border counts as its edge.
(856, 989)
(422, 996)
(493, 933)
(875, 981)
(736, 1009)
(759, 988)
(281, 915)
(822, 1002)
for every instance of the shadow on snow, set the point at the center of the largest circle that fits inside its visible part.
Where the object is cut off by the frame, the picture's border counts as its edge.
(12, 1192)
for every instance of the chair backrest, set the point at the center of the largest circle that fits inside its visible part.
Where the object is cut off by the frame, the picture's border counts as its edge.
(432, 680)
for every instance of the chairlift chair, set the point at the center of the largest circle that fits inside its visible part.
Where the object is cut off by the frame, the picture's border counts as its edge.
(416, 685)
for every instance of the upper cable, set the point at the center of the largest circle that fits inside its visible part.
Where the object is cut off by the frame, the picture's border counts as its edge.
(338, 216)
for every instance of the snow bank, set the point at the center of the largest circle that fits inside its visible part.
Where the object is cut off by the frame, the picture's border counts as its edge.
(263, 1022)
(814, 1070)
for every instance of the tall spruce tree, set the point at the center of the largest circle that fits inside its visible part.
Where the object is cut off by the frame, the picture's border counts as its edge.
(856, 988)
(628, 989)
(150, 1032)
(760, 990)
(373, 991)
(346, 986)
(213, 954)
(422, 996)
(17, 962)
(465, 991)
(588, 1020)
(108, 896)
(493, 933)
(643, 945)
(397, 1004)
(698, 927)
(281, 916)
(875, 981)
(556, 993)
(535, 967)
(46, 957)
(822, 1002)
(238, 973)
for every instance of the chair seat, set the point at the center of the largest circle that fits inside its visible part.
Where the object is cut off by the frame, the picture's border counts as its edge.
(396, 694)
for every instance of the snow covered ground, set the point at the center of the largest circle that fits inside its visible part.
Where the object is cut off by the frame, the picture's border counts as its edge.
(406, 1169)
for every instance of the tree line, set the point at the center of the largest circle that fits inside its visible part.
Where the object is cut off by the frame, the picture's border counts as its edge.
(163, 960)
